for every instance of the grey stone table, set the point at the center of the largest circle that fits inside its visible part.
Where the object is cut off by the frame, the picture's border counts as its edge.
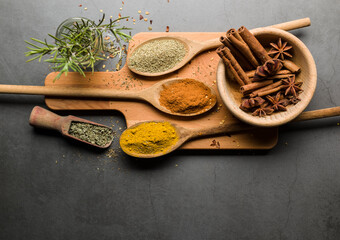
(54, 188)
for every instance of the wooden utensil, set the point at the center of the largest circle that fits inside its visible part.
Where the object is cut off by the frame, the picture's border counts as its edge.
(43, 118)
(185, 134)
(150, 94)
(193, 47)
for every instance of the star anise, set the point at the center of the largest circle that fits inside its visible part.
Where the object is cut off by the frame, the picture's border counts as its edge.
(292, 87)
(263, 110)
(269, 68)
(278, 103)
(294, 100)
(248, 103)
(280, 50)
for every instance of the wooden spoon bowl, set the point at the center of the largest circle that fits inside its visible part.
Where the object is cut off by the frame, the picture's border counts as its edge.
(231, 96)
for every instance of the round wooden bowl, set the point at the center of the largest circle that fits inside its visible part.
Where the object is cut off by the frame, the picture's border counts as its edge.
(231, 96)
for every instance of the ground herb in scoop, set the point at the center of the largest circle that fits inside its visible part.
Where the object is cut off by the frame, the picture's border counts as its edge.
(90, 133)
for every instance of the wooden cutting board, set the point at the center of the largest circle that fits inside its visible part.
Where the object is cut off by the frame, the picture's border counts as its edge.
(202, 67)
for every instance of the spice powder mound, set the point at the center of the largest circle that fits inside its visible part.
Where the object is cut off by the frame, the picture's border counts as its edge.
(157, 56)
(149, 138)
(187, 96)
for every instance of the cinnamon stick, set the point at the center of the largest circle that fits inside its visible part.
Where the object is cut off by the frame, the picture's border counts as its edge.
(291, 66)
(251, 73)
(281, 76)
(270, 91)
(254, 44)
(277, 76)
(229, 66)
(242, 75)
(245, 64)
(238, 42)
(252, 86)
(236, 65)
(269, 87)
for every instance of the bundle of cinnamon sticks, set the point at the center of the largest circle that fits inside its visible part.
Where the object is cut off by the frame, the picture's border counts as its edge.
(267, 83)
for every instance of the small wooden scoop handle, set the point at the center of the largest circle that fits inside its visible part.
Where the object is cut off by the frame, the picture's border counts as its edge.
(43, 118)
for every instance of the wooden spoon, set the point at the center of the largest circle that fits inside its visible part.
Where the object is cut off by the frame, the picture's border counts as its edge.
(150, 94)
(185, 134)
(193, 47)
(43, 118)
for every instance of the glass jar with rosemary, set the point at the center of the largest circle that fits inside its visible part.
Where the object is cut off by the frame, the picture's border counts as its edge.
(78, 44)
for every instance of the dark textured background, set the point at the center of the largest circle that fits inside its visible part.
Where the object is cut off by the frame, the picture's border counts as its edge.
(54, 188)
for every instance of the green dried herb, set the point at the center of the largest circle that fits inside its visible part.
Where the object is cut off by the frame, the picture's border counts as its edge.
(157, 56)
(90, 133)
(78, 48)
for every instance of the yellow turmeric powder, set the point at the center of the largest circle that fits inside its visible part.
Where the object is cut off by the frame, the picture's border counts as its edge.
(149, 138)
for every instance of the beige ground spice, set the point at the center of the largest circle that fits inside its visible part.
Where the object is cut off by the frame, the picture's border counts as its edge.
(157, 56)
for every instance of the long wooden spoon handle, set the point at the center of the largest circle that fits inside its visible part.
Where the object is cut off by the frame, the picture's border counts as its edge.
(69, 92)
(239, 126)
(209, 44)
(223, 128)
(316, 114)
(295, 24)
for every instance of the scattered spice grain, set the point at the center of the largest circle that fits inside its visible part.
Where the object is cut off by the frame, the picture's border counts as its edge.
(111, 153)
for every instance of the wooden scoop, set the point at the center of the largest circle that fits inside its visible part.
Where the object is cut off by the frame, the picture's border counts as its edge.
(43, 118)
(150, 94)
(185, 134)
(193, 47)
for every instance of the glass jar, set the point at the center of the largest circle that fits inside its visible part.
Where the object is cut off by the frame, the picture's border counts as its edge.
(64, 29)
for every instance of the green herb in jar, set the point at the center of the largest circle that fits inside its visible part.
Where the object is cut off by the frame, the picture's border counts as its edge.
(90, 133)
(157, 55)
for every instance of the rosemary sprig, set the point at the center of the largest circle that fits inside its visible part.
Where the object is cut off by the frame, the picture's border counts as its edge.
(78, 48)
